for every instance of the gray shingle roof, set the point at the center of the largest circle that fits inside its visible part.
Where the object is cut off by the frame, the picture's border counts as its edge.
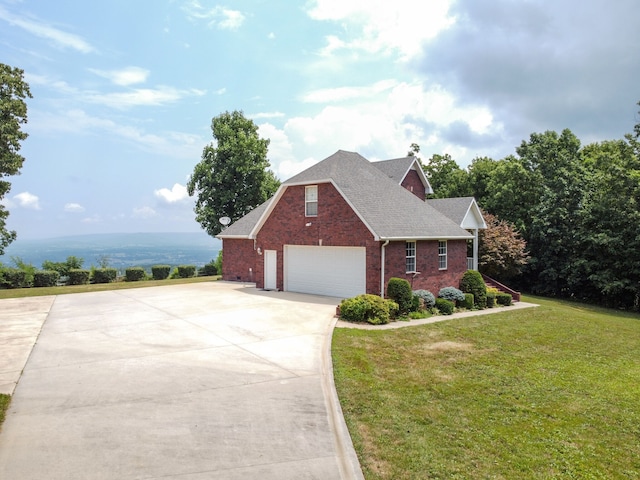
(396, 168)
(454, 208)
(389, 210)
(242, 227)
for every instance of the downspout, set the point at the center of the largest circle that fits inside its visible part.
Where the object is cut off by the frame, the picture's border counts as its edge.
(382, 262)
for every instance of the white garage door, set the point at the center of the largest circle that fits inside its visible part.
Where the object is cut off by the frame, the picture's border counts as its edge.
(331, 271)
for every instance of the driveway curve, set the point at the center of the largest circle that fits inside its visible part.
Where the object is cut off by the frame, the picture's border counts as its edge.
(201, 381)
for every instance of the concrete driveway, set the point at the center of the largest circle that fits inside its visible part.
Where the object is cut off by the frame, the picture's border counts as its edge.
(202, 381)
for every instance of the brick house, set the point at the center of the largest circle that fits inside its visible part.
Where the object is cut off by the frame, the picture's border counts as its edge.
(346, 225)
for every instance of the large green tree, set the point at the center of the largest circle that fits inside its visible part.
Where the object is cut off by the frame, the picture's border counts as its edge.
(447, 179)
(13, 114)
(233, 176)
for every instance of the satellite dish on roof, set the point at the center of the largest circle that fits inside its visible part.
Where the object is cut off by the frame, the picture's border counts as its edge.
(225, 221)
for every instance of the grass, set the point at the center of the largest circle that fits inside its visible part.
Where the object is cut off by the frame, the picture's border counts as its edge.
(5, 400)
(98, 287)
(547, 392)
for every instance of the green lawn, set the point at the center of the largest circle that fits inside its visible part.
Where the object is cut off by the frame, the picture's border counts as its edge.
(40, 291)
(4, 405)
(541, 393)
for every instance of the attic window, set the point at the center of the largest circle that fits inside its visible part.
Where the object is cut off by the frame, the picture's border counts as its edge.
(410, 249)
(311, 201)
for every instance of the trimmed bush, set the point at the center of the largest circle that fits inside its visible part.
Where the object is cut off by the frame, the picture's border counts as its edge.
(427, 297)
(45, 278)
(468, 301)
(13, 278)
(209, 269)
(444, 306)
(491, 299)
(399, 290)
(134, 274)
(367, 308)
(160, 272)
(78, 276)
(104, 275)
(472, 282)
(186, 271)
(504, 299)
(452, 294)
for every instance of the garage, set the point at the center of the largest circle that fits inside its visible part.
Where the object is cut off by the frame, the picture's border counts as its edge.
(331, 271)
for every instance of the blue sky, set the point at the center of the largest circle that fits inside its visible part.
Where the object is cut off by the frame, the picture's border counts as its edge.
(124, 92)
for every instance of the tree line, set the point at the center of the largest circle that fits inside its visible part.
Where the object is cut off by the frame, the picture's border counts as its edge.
(577, 207)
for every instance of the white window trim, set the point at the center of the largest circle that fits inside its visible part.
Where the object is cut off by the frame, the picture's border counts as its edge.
(414, 256)
(307, 202)
(442, 255)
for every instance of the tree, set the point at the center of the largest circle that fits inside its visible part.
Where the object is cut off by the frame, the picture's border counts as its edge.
(13, 113)
(445, 176)
(502, 251)
(233, 176)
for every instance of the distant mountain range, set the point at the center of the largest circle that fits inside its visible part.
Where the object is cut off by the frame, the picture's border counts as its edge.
(122, 250)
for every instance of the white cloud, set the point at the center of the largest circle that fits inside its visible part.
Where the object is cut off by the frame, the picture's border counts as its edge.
(92, 219)
(379, 121)
(257, 116)
(143, 212)
(381, 26)
(175, 144)
(142, 97)
(222, 17)
(177, 194)
(40, 29)
(327, 95)
(27, 200)
(74, 208)
(125, 76)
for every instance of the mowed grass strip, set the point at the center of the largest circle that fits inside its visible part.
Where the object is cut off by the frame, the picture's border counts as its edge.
(546, 392)
(98, 287)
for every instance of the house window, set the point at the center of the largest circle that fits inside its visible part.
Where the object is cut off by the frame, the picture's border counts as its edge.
(311, 201)
(410, 253)
(442, 255)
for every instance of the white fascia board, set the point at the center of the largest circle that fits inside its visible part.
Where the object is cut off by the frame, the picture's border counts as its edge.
(425, 181)
(398, 239)
(222, 236)
(473, 218)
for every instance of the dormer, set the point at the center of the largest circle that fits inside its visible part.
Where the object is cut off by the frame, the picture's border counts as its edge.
(407, 172)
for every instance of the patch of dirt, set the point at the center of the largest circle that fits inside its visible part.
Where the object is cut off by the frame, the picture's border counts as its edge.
(448, 346)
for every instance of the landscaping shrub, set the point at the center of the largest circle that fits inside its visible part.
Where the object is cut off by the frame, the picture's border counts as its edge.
(452, 294)
(209, 269)
(468, 301)
(135, 274)
(399, 290)
(491, 299)
(160, 272)
(472, 282)
(78, 276)
(504, 299)
(417, 304)
(104, 275)
(45, 278)
(186, 271)
(428, 298)
(13, 278)
(444, 306)
(367, 308)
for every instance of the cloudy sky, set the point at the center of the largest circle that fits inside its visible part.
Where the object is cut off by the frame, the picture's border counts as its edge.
(124, 91)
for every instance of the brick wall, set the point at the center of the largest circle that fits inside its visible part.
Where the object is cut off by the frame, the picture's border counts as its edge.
(431, 277)
(238, 260)
(413, 183)
(335, 225)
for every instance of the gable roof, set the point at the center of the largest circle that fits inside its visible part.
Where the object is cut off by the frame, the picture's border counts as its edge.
(462, 210)
(398, 168)
(388, 210)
